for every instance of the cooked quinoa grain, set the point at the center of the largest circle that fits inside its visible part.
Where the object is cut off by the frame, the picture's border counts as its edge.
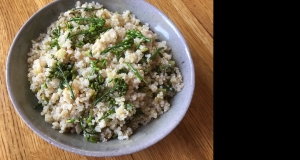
(101, 73)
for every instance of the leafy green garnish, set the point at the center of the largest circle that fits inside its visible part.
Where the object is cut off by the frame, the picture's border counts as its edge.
(107, 113)
(120, 86)
(120, 47)
(55, 35)
(126, 43)
(156, 52)
(137, 34)
(65, 73)
(95, 84)
(95, 28)
(136, 72)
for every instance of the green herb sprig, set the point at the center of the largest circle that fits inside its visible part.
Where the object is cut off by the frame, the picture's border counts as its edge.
(157, 51)
(136, 72)
(126, 43)
(120, 86)
(87, 126)
(65, 73)
(95, 28)
(55, 35)
(107, 113)
(137, 34)
(120, 47)
(95, 63)
(65, 79)
(95, 84)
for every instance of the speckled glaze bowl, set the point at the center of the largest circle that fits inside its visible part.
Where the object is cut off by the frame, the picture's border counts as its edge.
(23, 99)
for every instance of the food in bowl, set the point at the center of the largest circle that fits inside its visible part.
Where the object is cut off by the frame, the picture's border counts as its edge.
(101, 73)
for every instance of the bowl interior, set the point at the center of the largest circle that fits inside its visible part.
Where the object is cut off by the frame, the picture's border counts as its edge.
(24, 100)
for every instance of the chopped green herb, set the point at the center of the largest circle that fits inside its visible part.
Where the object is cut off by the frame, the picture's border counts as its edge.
(55, 34)
(70, 120)
(45, 85)
(126, 43)
(107, 113)
(120, 47)
(43, 97)
(69, 26)
(54, 43)
(156, 52)
(95, 84)
(92, 137)
(111, 101)
(64, 73)
(90, 54)
(97, 64)
(120, 86)
(65, 80)
(137, 34)
(95, 28)
(136, 72)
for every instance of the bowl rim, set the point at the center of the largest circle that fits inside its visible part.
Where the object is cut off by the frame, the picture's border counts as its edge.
(95, 153)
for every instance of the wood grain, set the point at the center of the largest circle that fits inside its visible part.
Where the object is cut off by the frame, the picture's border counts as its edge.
(191, 139)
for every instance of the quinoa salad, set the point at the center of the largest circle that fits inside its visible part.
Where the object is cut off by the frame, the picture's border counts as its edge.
(101, 74)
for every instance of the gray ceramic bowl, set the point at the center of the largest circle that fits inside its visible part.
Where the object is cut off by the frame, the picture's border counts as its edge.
(23, 99)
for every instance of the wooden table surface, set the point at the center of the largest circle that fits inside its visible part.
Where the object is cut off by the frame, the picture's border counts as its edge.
(191, 139)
